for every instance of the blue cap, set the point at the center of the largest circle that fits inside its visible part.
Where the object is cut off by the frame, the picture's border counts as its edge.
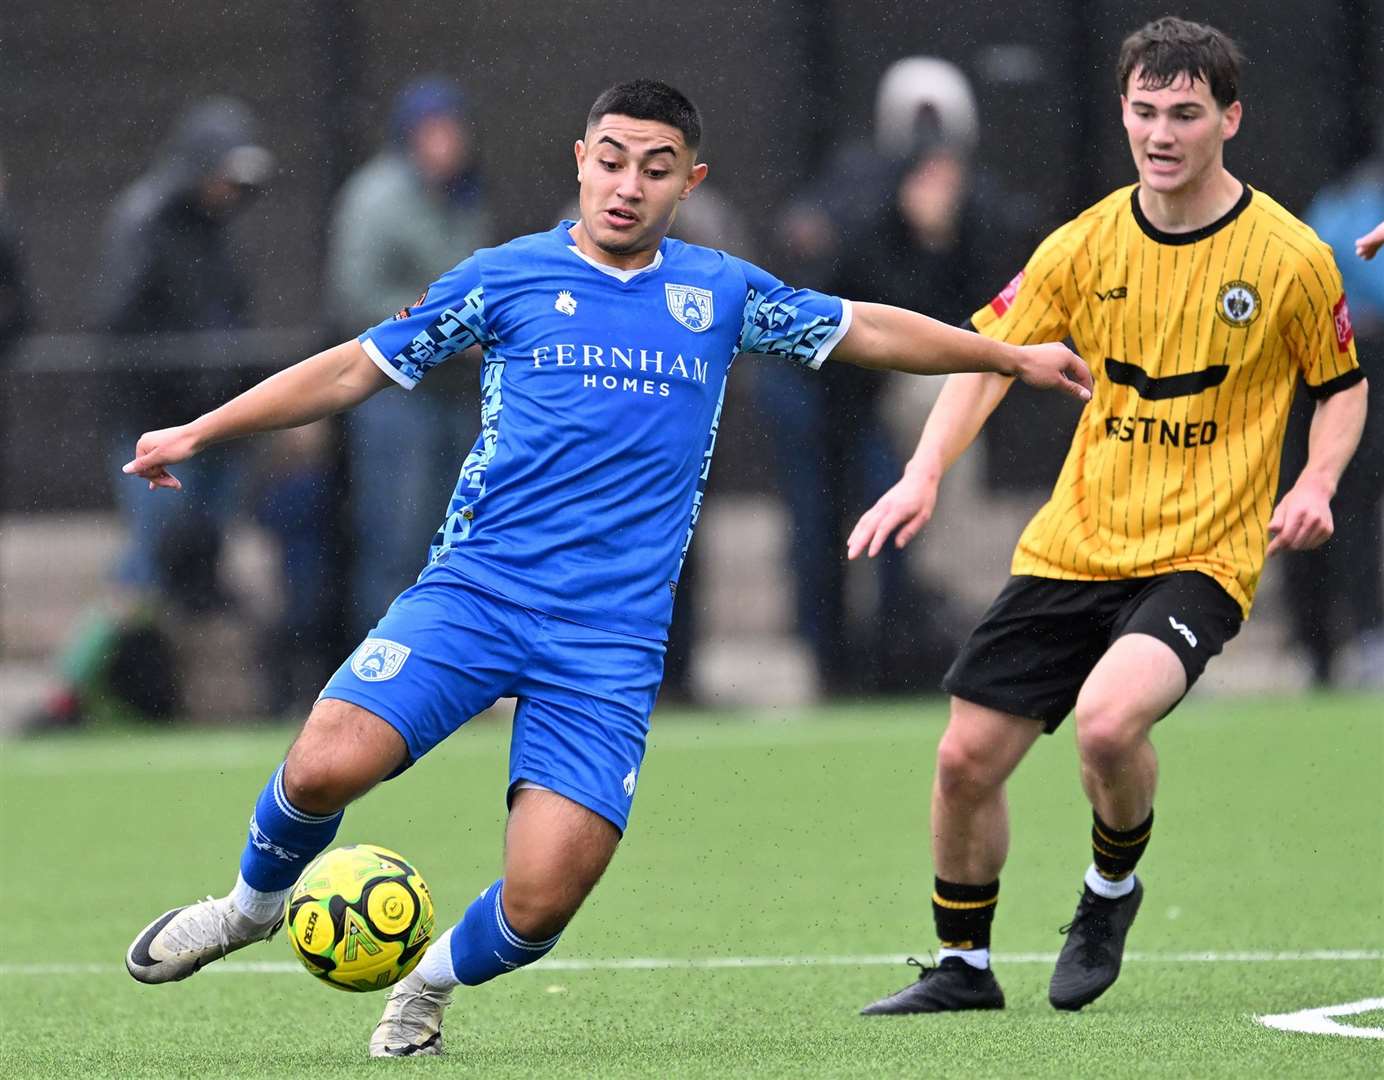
(432, 96)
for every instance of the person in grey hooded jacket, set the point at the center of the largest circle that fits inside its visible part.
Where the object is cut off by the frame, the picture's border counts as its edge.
(409, 213)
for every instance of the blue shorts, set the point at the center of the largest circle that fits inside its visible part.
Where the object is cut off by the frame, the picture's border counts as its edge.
(447, 649)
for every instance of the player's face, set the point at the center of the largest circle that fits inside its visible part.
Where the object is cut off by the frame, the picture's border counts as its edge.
(1177, 133)
(633, 173)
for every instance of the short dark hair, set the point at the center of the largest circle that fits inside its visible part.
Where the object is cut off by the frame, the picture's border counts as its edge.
(1169, 47)
(649, 99)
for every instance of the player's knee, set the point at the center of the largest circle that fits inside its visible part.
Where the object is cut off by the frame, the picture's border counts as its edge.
(537, 910)
(314, 787)
(1107, 736)
(965, 770)
(341, 753)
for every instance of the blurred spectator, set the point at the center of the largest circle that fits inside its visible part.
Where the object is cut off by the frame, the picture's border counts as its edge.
(406, 216)
(167, 268)
(920, 99)
(14, 296)
(169, 290)
(906, 220)
(1336, 593)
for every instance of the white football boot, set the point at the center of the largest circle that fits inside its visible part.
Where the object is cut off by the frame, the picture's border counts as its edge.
(412, 1020)
(182, 941)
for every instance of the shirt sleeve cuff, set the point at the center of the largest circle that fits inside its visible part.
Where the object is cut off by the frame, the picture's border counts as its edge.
(1336, 385)
(373, 351)
(846, 315)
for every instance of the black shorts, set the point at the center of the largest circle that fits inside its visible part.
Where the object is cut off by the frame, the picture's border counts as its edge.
(1042, 637)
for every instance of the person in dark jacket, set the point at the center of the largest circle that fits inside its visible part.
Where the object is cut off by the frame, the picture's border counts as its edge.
(170, 296)
(167, 268)
(939, 228)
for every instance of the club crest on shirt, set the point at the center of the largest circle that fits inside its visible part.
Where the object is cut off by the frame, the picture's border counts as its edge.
(1238, 303)
(690, 305)
(379, 659)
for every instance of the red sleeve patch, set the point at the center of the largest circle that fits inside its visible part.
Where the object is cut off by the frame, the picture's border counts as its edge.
(1345, 333)
(1002, 303)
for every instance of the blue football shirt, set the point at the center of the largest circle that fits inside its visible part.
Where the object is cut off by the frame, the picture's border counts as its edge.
(601, 396)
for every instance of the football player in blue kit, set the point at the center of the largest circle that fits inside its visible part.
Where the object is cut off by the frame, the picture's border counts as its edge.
(605, 350)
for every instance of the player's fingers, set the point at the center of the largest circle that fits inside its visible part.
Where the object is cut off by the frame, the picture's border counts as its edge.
(1068, 385)
(159, 477)
(143, 464)
(1367, 246)
(1294, 528)
(1277, 540)
(913, 527)
(1079, 373)
(884, 528)
(863, 531)
(1315, 534)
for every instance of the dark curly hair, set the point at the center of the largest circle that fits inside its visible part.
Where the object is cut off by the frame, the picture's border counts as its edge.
(1168, 48)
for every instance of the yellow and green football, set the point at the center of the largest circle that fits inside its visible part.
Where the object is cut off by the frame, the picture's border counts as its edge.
(360, 917)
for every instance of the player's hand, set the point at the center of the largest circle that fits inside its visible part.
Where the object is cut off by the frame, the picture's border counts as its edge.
(1371, 242)
(1053, 366)
(1302, 521)
(907, 507)
(156, 450)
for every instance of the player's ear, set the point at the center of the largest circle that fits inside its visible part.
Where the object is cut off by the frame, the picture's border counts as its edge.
(579, 149)
(1230, 120)
(695, 177)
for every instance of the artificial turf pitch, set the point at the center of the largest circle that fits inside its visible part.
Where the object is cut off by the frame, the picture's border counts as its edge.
(775, 866)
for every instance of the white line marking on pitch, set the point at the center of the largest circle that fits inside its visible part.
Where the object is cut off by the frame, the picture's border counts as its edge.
(652, 963)
(1319, 1022)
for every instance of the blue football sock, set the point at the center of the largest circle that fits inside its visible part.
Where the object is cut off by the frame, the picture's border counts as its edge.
(485, 945)
(283, 839)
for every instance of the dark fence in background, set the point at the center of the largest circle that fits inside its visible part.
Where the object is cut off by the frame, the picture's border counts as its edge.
(91, 88)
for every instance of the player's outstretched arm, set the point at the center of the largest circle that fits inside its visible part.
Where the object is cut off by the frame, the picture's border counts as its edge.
(1371, 242)
(335, 379)
(963, 406)
(881, 336)
(1302, 521)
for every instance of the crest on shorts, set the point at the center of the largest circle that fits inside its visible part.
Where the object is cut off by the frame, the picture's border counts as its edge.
(690, 305)
(1238, 303)
(378, 659)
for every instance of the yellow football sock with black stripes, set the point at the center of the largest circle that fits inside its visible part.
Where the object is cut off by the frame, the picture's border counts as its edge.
(963, 913)
(1116, 852)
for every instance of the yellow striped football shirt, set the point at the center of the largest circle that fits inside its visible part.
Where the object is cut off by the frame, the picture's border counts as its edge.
(1196, 341)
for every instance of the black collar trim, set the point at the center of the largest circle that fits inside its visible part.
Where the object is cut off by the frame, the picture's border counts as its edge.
(1158, 236)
